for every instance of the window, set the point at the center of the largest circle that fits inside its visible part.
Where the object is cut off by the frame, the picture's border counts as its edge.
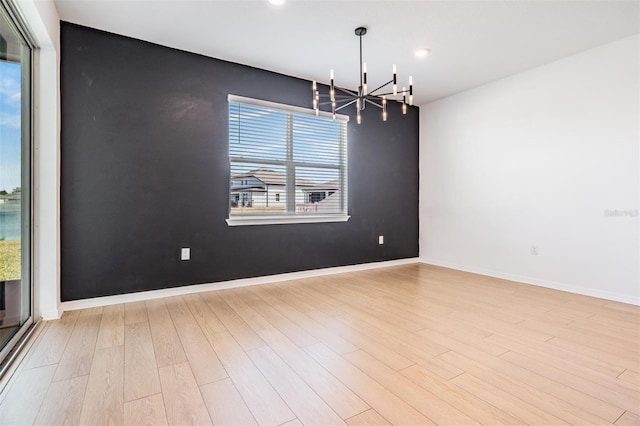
(287, 165)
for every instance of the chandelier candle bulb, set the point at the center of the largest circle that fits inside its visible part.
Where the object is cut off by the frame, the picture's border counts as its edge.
(404, 100)
(332, 91)
(384, 108)
(395, 80)
(364, 78)
(410, 90)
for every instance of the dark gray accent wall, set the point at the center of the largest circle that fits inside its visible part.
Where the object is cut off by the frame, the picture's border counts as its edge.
(144, 172)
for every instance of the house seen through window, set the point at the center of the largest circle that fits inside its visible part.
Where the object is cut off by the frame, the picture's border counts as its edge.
(286, 164)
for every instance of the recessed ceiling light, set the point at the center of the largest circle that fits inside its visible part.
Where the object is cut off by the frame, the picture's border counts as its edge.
(276, 2)
(422, 52)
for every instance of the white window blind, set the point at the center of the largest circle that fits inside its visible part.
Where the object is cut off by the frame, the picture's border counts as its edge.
(287, 165)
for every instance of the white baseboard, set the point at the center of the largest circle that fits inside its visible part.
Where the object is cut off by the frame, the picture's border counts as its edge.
(198, 288)
(51, 315)
(585, 291)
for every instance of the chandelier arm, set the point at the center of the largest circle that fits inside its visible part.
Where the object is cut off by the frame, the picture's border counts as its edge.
(337, 96)
(337, 101)
(399, 92)
(347, 91)
(372, 92)
(346, 105)
(373, 103)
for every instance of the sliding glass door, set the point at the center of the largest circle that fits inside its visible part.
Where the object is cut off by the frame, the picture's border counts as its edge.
(15, 183)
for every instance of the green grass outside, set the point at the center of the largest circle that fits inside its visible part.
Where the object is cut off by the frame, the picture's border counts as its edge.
(9, 260)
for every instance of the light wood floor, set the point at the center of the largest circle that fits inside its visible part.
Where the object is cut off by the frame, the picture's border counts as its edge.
(406, 345)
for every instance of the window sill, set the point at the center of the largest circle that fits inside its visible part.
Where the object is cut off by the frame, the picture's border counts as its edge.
(282, 220)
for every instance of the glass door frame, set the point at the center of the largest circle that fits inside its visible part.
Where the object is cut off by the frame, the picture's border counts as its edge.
(7, 352)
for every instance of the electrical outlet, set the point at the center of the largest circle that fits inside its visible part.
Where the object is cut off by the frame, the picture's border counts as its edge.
(381, 239)
(185, 253)
(534, 250)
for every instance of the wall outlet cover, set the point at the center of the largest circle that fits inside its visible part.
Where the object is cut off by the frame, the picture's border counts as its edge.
(185, 253)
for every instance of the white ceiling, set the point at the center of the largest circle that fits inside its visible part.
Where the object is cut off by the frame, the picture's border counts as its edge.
(472, 42)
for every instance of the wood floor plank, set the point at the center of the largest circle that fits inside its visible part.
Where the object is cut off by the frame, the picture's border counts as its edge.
(225, 404)
(631, 377)
(479, 363)
(178, 307)
(140, 368)
(244, 311)
(166, 343)
(410, 345)
(385, 354)
(206, 318)
(439, 367)
(621, 359)
(624, 333)
(289, 328)
(51, 347)
(331, 340)
(135, 312)
(368, 418)
(583, 360)
(204, 362)
(185, 405)
(375, 395)
(77, 356)
(527, 413)
(628, 419)
(619, 324)
(63, 403)
(468, 403)
(264, 402)
(111, 332)
(603, 341)
(377, 326)
(23, 399)
(245, 335)
(308, 407)
(552, 398)
(330, 389)
(608, 392)
(542, 353)
(423, 400)
(104, 395)
(145, 411)
(281, 290)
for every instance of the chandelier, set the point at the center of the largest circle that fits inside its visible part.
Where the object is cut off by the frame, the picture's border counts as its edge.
(363, 96)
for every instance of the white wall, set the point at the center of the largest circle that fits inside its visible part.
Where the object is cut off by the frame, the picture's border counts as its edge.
(43, 23)
(537, 159)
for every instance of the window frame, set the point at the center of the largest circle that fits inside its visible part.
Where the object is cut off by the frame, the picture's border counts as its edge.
(291, 217)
